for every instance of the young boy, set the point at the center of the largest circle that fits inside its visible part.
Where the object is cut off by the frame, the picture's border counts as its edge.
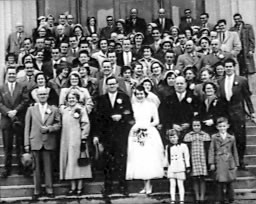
(223, 158)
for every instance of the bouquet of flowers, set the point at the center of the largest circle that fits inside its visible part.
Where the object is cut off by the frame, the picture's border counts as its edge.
(140, 135)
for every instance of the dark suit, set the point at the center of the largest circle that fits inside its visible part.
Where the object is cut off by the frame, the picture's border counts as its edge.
(18, 102)
(121, 56)
(167, 24)
(246, 62)
(184, 24)
(216, 109)
(114, 135)
(42, 144)
(139, 26)
(47, 69)
(211, 59)
(121, 87)
(236, 111)
(106, 31)
(172, 111)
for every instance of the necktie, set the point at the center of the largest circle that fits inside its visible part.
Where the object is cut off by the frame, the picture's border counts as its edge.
(12, 88)
(19, 37)
(162, 23)
(74, 52)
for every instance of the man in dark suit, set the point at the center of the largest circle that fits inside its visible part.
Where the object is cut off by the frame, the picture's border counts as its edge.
(114, 120)
(127, 56)
(245, 57)
(187, 21)
(106, 31)
(235, 91)
(204, 17)
(178, 109)
(162, 22)
(13, 104)
(216, 55)
(180, 49)
(41, 124)
(107, 71)
(134, 23)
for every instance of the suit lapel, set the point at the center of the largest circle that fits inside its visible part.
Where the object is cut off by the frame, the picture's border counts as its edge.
(8, 94)
(38, 114)
(47, 114)
(227, 34)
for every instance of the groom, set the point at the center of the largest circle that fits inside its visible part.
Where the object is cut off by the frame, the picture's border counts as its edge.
(114, 119)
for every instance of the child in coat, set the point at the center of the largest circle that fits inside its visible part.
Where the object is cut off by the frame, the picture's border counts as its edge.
(223, 158)
(197, 140)
(177, 159)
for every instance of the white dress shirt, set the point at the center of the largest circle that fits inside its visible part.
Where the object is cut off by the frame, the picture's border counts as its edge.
(228, 86)
(112, 97)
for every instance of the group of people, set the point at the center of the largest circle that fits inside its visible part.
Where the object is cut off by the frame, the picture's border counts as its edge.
(140, 96)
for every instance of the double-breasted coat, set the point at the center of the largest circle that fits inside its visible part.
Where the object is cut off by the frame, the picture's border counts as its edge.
(223, 154)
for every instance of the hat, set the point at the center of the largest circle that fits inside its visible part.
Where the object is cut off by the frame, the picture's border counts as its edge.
(121, 21)
(41, 18)
(204, 38)
(139, 33)
(154, 25)
(18, 24)
(27, 160)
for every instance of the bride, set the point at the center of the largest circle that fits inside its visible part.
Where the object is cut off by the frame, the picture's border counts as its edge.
(145, 148)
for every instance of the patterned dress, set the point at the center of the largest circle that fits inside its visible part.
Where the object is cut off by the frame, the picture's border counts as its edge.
(198, 154)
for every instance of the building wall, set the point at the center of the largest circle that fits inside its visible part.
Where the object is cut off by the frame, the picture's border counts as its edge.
(12, 12)
(226, 9)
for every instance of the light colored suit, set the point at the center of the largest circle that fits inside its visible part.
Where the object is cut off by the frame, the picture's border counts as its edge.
(13, 44)
(41, 144)
(231, 43)
(186, 59)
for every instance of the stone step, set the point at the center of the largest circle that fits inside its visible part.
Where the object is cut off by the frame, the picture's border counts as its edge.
(250, 130)
(161, 185)
(243, 196)
(250, 149)
(251, 139)
(14, 159)
(252, 169)
(250, 159)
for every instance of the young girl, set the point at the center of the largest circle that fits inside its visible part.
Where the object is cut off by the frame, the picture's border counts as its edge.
(177, 159)
(223, 158)
(197, 142)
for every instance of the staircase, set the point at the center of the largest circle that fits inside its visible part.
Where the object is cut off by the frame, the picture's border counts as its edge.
(17, 187)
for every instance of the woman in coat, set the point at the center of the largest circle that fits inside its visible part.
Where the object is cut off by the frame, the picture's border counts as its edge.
(211, 108)
(75, 130)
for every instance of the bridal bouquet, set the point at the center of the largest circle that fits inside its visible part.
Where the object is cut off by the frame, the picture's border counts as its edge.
(140, 135)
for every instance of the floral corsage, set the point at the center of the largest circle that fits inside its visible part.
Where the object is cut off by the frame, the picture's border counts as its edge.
(119, 101)
(140, 135)
(48, 111)
(77, 113)
(189, 100)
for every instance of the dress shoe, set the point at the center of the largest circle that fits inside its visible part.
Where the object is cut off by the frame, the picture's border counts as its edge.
(79, 192)
(35, 196)
(71, 192)
(5, 174)
(143, 191)
(149, 190)
(242, 168)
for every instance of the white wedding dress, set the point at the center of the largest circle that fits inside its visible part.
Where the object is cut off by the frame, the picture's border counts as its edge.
(145, 161)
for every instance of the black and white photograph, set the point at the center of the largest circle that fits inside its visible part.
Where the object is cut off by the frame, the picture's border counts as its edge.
(127, 102)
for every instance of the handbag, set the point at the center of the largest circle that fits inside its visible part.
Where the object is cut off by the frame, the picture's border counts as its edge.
(84, 159)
